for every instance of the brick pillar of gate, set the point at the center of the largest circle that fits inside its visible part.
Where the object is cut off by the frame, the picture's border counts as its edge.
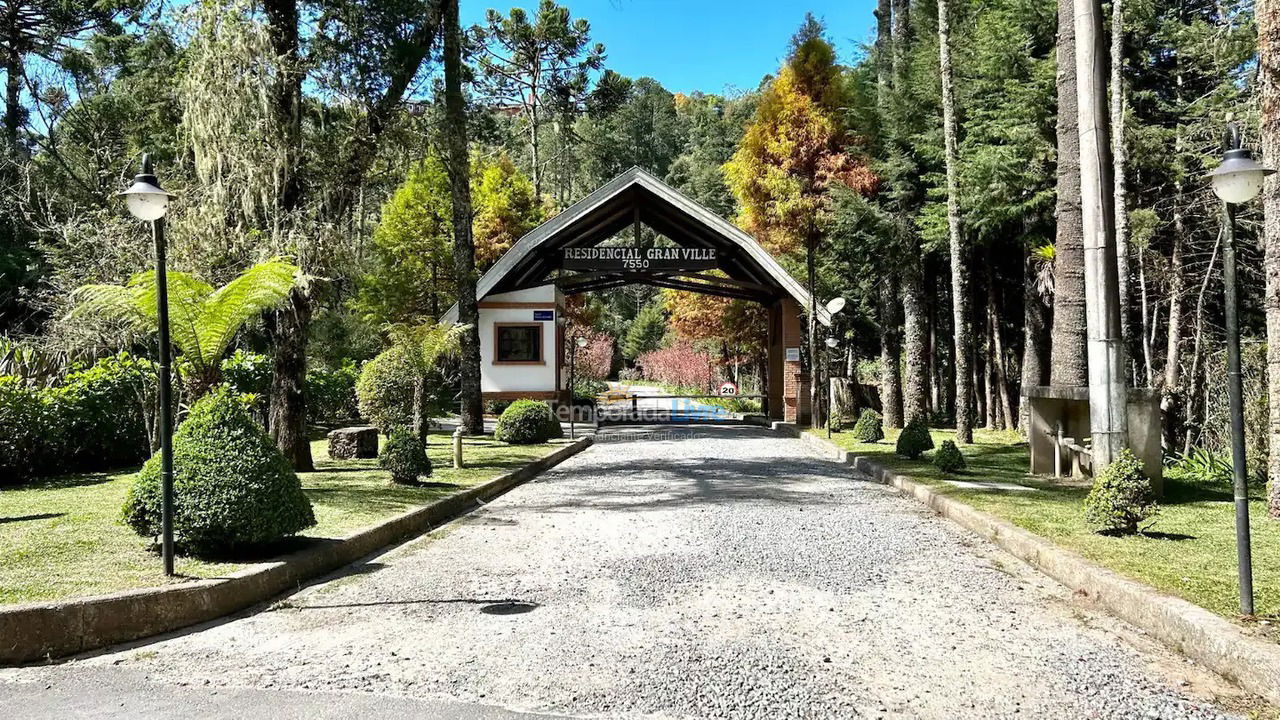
(788, 386)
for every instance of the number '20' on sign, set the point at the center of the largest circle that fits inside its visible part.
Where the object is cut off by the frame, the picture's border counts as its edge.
(728, 388)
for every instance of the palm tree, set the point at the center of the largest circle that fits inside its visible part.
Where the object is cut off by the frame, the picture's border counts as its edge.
(202, 321)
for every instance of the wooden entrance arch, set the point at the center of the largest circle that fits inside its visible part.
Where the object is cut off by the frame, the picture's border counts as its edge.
(637, 197)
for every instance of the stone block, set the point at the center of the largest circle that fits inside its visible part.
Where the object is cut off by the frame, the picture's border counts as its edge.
(353, 442)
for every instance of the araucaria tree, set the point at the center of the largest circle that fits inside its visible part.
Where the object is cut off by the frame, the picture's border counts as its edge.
(793, 153)
(538, 67)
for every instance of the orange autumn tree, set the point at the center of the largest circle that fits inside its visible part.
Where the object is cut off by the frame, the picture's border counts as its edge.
(506, 208)
(796, 148)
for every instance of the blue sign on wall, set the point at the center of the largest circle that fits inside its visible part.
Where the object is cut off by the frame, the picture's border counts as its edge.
(539, 315)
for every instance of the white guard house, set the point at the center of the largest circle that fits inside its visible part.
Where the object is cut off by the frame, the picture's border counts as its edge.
(521, 298)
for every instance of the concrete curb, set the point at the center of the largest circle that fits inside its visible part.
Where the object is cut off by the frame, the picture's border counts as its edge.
(40, 631)
(1251, 662)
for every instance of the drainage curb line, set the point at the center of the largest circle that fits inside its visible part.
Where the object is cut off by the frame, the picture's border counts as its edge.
(1251, 662)
(39, 631)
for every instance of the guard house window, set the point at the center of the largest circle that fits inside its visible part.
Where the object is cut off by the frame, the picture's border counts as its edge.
(517, 343)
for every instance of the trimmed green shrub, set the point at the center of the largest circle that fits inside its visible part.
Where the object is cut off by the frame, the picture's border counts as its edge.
(526, 422)
(948, 457)
(232, 487)
(914, 440)
(869, 427)
(385, 391)
(405, 457)
(1121, 497)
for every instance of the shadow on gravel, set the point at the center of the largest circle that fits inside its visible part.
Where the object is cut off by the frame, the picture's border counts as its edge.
(512, 605)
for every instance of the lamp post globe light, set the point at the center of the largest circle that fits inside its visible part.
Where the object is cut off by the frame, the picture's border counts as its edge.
(1237, 180)
(148, 202)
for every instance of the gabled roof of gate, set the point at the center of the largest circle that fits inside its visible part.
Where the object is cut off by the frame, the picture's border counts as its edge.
(637, 194)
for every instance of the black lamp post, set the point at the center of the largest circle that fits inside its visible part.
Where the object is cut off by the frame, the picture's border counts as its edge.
(831, 345)
(148, 202)
(834, 306)
(1237, 180)
(578, 342)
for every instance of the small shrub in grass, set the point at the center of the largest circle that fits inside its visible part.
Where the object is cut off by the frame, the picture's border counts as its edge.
(526, 422)
(869, 427)
(914, 440)
(1121, 497)
(405, 457)
(232, 488)
(948, 457)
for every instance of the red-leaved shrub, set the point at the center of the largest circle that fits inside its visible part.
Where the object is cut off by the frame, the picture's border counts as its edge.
(679, 365)
(594, 361)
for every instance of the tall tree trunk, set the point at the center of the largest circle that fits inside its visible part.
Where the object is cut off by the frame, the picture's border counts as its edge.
(464, 253)
(1033, 339)
(811, 319)
(1119, 155)
(1108, 386)
(980, 376)
(1267, 17)
(901, 26)
(287, 417)
(997, 352)
(1148, 322)
(916, 385)
(13, 70)
(989, 373)
(884, 51)
(890, 355)
(963, 332)
(1188, 402)
(1068, 363)
(1171, 395)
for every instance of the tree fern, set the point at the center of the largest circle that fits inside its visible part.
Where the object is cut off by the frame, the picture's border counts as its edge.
(202, 321)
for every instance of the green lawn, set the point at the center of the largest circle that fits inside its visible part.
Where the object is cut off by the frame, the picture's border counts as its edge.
(1189, 552)
(62, 537)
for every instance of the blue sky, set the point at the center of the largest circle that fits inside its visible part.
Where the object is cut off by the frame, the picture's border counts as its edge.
(708, 45)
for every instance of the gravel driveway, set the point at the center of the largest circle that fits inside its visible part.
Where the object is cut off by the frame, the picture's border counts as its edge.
(711, 571)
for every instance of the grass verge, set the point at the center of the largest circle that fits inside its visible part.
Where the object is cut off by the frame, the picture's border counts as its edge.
(1188, 552)
(62, 537)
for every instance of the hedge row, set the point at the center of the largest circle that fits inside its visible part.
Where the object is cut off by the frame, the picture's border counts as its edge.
(92, 420)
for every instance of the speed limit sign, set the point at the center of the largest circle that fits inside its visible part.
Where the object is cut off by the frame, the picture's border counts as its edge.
(728, 388)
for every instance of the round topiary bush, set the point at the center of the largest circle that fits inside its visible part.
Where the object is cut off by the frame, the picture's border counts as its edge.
(384, 391)
(526, 422)
(1121, 497)
(914, 440)
(231, 487)
(405, 456)
(948, 457)
(869, 427)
